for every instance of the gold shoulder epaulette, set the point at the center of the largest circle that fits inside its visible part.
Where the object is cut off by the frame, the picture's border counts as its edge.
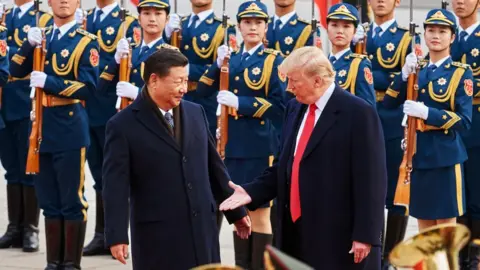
(423, 62)
(303, 20)
(8, 10)
(85, 33)
(90, 11)
(271, 51)
(357, 55)
(402, 28)
(458, 64)
(167, 46)
(184, 18)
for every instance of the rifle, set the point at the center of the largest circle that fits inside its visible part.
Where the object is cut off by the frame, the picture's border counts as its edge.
(444, 4)
(176, 35)
(361, 46)
(36, 94)
(409, 142)
(84, 23)
(317, 42)
(222, 120)
(125, 62)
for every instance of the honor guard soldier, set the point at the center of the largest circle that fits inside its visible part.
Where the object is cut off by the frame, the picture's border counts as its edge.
(443, 109)
(255, 97)
(387, 46)
(153, 15)
(104, 21)
(466, 49)
(70, 75)
(353, 71)
(23, 211)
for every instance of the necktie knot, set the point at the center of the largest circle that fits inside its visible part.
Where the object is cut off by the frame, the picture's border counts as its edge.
(278, 23)
(144, 49)
(16, 12)
(332, 59)
(312, 108)
(377, 31)
(245, 55)
(169, 117)
(463, 34)
(432, 68)
(56, 34)
(194, 21)
(98, 14)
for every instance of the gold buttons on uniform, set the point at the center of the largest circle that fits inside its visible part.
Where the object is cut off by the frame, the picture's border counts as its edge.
(423, 91)
(135, 71)
(237, 78)
(478, 109)
(70, 113)
(186, 47)
(108, 42)
(47, 62)
(370, 56)
(446, 131)
(236, 117)
(10, 38)
(235, 91)
(287, 52)
(262, 123)
(133, 83)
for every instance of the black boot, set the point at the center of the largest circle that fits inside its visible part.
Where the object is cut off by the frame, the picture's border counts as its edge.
(97, 245)
(30, 219)
(13, 235)
(396, 228)
(243, 250)
(74, 231)
(474, 248)
(54, 241)
(259, 242)
(464, 259)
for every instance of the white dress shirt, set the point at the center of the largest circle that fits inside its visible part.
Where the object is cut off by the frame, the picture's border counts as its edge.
(201, 17)
(150, 45)
(164, 112)
(64, 28)
(469, 30)
(384, 26)
(321, 103)
(23, 8)
(106, 10)
(284, 19)
(439, 62)
(339, 54)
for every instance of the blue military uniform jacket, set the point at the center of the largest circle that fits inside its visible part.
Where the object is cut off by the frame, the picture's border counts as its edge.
(101, 106)
(296, 33)
(448, 95)
(260, 91)
(16, 103)
(353, 73)
(200, 47)
(110, 76)
(469, 53)
(387, 54)
(3, 63)
(71, 66)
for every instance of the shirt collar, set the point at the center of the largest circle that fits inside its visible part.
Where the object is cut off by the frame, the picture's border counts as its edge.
(322, 101)
(106, 9)
(340, 53)
(284, 19)
(470, 29)
(252, 50)
(201, 16)
(24, 8)
(439, 62)
(384, 25)
(164, 112)
(64, 28)
(152, 43)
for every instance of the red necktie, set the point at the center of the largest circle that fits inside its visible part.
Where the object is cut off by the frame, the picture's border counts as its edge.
(295, 208)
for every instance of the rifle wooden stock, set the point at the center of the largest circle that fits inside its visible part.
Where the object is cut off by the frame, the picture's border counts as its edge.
(402, 192)
(176, 38)
(124, 76)
(35, 139)
(222, 120)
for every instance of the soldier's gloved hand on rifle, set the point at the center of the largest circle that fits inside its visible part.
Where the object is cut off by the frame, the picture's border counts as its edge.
(34, 36)
(227, 98)
(126, 89)
(123, 47)
(79, 16)
(172, 25)
(410, 66)
(359, 34)
(38, 79)
(415, 109)
(222, 52)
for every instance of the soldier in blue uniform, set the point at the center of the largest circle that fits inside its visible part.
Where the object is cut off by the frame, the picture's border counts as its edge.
(153, 16)
(388, 44)
(105, 22)
(256, 98)
(466, 49)
(23, 211)
(443, 110)
(70, 75)
(353, 71)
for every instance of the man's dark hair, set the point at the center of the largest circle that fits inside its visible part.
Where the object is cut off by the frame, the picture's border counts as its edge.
(162, 61)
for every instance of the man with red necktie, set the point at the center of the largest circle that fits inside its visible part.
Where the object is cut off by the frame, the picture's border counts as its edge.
(330, 175)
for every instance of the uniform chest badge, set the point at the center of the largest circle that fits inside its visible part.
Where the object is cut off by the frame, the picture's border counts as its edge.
(26, 28)
(256, 71)
(3, 48)
(390, 47)
(393, 30)
(204, 37)
(115, 14)
(110, 31)
(477, 34)
(65, 53)
(209, 21)
(468, 86)
(293, 22)
(368, 75)
(474, 52)
(137, 35)
(342, 73)
(94, 57)
(441, 81)
(288, 40)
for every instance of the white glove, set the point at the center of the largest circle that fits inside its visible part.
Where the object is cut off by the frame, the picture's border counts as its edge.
(227, 98)
(79, 16)
(404, 120)
(410, 66)
(34, 36)
(37, 79)
(125, 89)
(359, 35)
(123, 47)
(222, 52)
(172, 25)
(415, 109)
(2, 6)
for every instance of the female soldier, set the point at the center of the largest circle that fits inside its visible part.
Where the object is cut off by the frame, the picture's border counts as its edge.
(353, 70)
(443, 109)
(257, 96)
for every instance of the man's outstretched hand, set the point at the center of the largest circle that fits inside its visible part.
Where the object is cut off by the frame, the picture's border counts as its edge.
(243, 227)
(239, 198)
